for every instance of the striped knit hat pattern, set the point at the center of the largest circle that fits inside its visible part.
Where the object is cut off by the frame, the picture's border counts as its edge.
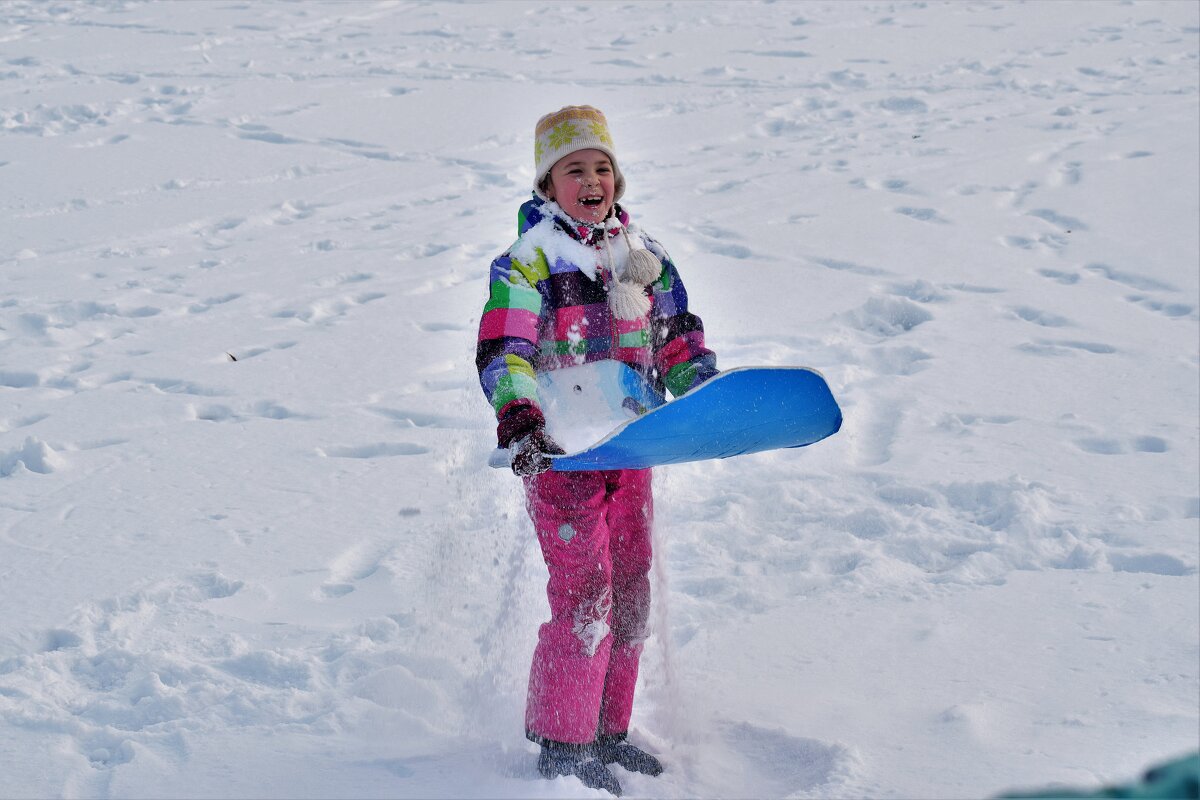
(566, 131)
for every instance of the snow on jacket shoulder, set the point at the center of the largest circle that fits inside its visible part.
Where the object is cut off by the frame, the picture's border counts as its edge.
(548, 309)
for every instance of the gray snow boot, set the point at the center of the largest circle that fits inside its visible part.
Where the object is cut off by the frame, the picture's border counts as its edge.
(579, 760)
(612, 748)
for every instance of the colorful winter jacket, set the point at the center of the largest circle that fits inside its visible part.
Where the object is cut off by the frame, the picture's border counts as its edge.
(548, 309)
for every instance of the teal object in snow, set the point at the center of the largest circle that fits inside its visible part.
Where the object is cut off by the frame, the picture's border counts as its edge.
(743, 410)
(1178, 779)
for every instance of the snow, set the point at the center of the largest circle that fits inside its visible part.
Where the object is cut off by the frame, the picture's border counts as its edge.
(293, 575)
(542, 236)
(584, 404)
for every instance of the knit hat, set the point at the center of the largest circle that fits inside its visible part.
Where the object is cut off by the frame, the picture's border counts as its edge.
(569, 130)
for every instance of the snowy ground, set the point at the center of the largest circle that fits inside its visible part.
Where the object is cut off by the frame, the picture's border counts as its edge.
(292, 574)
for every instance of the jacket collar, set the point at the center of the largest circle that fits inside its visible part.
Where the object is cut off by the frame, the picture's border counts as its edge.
(535, 210)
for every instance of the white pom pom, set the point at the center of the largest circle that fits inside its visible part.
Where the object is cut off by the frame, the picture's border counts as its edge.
(627, 301)
(643, 268)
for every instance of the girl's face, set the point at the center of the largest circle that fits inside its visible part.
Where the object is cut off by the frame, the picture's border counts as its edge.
(583, 184)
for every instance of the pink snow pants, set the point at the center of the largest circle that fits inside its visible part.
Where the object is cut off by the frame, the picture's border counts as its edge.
(594, 529)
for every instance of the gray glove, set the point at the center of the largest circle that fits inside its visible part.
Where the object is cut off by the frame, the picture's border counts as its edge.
(531, 455)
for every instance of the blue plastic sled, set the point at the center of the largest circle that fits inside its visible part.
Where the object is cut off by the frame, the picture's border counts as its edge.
(744, 410)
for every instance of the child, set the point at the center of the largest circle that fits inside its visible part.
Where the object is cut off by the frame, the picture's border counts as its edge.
(583, 284)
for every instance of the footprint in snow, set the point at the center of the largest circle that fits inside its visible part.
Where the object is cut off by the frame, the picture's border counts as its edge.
(964, 422)
(849, 266)
(210, 302)
(898, 186)
(1069, 174)
(921, 291)
(1132, 280)
(1107, 446)
(922, 214)
(410, 418)
(440, 327)
(1019, 242)
(21, 422)
(904, 105)
(428, 250)
(178, 386)
(1058, 347)
(368, 451)
(887, 316)
(247, 354)
(269, 669)
(1150, 563)
(773, 763)
(227, 224)
(848, 79)
(1172, 310)
(777, 53)
(447, 281)
(1150, 444)
(894, 185)
(57, 639)
(293, 211)
(1065, 278)
(720, 187)
(104, 750)
(344, 278)
(437, 386)
(1100, 445)
(239, 354)
(19, 380)
(324, 311)
(480, 173)
(1048, 241)
(260, 133)
(1061, 221)
(264, 409)
(730, 250)
(1038, 317)
(353, 565)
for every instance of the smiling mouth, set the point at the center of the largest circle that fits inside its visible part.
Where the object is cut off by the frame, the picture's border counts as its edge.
(591, 202)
